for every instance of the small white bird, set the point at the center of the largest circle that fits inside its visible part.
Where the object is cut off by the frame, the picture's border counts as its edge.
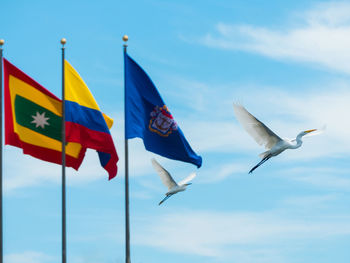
(169, 182)
(264, 136)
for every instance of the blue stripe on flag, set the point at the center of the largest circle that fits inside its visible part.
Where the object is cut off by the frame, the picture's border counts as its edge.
(90, 118)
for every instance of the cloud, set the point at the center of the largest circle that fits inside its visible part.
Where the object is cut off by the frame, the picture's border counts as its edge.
(310, 200)
(218, 234)
(39, 257)
(324, 177)
(219, 172)
(320, 36)
(212, 129)
(33, 172)
(286, 116)
(29, 257)
(214, 133)
(218, 133)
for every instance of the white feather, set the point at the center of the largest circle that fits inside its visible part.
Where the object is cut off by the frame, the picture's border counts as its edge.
(258, 130)
(187, 179)
(164, 175)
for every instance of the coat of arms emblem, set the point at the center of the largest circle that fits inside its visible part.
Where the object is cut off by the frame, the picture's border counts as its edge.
(162, 122)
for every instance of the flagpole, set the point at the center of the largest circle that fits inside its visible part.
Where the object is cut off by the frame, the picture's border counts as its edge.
(127, 220)
(2, 42)
(64, 236)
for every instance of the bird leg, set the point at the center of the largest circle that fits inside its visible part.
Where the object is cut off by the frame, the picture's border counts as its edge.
(260, 163)
(165, 198)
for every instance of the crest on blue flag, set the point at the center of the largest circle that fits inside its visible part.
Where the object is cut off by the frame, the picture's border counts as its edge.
(162, 122)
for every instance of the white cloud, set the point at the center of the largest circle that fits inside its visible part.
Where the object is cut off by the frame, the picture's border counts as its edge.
(213, 128)
(218, 234)
(218, 172)
(322, 177)
(310, 200)
(321, 36)
(21, 171)
(286, 116)
(223, 135)
(29, 257)
(33, 172)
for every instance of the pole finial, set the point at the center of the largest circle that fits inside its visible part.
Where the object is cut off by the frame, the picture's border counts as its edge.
(2, 42)
(125, 38)
(63, 41)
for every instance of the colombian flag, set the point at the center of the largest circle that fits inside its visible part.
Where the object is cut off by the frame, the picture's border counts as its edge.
(85, 123)
(33, 120)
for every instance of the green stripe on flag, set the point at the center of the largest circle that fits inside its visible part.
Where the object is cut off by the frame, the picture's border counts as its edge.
(37, 118)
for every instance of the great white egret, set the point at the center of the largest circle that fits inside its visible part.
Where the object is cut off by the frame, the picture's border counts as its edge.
(264, 136)
(169, 182)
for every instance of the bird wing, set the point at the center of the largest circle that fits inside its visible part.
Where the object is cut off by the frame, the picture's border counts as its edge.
(164, 175)
(187, 179)
(258, 130)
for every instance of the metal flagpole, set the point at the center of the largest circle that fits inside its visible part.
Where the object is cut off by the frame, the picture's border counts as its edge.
(64, 237)
(2, 42)
(127, 221)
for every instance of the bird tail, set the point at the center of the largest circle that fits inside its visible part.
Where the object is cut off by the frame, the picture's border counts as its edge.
(264, 154)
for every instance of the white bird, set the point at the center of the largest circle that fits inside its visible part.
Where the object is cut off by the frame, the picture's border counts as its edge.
(264, 136)
(169, 182)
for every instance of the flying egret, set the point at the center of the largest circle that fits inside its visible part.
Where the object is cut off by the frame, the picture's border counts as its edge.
(264, 136)
(169, 182)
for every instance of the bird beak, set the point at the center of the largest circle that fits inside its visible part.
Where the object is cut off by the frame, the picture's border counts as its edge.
(308, 131)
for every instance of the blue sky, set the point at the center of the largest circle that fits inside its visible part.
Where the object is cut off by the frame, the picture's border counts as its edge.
(287, 62)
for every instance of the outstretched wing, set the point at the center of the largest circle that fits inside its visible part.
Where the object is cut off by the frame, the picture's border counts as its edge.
(258, 130)
(164, 175)
(187, 179)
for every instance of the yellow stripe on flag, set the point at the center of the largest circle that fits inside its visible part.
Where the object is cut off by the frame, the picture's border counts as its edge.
(28, 136)
(76, 89)
(109, 120)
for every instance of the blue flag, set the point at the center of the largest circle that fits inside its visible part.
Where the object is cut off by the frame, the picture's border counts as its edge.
(147, 117)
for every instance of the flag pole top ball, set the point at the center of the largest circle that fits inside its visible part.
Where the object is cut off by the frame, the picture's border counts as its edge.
(63, 41)
(125, 38)
(2, 42)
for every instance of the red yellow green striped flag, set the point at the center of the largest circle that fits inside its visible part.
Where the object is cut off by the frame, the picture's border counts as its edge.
(33, 119)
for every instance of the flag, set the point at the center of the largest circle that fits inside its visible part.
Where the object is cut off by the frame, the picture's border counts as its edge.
(85, 123)
(147, 117)
(33, 119)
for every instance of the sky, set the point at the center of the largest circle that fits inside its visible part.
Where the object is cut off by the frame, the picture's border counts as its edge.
(287, 62)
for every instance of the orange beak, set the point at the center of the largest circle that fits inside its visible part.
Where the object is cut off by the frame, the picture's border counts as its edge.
(310, 130)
